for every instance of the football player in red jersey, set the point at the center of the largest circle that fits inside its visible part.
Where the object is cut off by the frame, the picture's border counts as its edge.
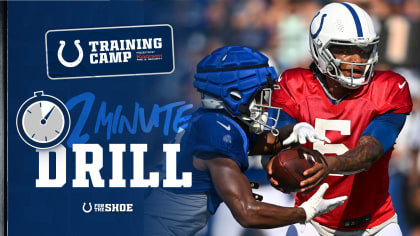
(360, 110)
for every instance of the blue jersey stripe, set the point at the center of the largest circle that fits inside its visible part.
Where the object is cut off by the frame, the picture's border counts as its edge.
(356, 19)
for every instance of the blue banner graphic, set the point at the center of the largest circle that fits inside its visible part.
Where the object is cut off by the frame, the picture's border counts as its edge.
(109, 51)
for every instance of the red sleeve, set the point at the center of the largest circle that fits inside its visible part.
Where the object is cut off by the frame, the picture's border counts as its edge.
(392, 93)
(285, 97)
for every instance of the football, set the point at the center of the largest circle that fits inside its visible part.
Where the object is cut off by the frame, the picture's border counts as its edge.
(288, 166)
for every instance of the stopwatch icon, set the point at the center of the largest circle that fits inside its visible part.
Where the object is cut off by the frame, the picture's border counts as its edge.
(43, 121)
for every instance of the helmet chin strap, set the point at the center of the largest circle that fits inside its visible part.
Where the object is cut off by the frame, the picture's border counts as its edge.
(342, 80)
(259, 126)
(256, 126)
(211, 102)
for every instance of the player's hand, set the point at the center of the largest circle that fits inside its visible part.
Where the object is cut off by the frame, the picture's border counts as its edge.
(317, 173)
(269, 169)
(303, 131)
(317, 205)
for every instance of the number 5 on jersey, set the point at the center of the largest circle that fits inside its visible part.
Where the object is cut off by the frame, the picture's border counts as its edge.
(321, 126)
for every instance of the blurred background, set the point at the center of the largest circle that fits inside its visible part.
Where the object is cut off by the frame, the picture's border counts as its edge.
(279, 28)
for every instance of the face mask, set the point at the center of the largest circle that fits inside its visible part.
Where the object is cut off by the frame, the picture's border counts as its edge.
(258, 118)
(257, 127)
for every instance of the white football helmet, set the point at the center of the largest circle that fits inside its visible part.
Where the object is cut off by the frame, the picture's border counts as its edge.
(343, 25)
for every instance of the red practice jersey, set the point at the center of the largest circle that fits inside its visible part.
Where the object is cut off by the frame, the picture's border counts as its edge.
(302, 97)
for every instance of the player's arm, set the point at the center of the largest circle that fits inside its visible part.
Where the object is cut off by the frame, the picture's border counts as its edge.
(360, 158)
(377, 139)
(234, 189)
(289, 132)
(266, 143)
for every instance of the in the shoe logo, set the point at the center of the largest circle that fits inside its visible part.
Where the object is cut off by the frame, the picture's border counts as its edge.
(88, 207)
(109, 51)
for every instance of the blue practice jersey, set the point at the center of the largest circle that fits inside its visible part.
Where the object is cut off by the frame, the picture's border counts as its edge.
(210, 134)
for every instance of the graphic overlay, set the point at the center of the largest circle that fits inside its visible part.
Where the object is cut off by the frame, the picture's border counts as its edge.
(43, 121)
(109, 51)
(107, 207)
(94, 171)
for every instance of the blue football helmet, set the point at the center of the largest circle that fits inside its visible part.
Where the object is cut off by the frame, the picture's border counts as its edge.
(239, 80)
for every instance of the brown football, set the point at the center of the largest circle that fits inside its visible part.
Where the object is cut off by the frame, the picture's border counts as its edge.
(288, 166)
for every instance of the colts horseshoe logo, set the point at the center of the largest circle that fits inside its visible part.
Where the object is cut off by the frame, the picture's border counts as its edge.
(63, 61)
(87, 210)
(320, 27)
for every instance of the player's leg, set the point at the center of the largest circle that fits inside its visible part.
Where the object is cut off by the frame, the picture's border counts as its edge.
(391, 229)
(223, 222)
(154, 226)
(302, 230)
(167, 213)
(273, 196)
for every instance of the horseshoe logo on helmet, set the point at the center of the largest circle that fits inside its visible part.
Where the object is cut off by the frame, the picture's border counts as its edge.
(75, 62)
(87, 210)
(320, 26)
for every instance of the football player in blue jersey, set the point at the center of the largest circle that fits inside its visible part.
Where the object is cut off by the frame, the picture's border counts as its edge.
(236, 84)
